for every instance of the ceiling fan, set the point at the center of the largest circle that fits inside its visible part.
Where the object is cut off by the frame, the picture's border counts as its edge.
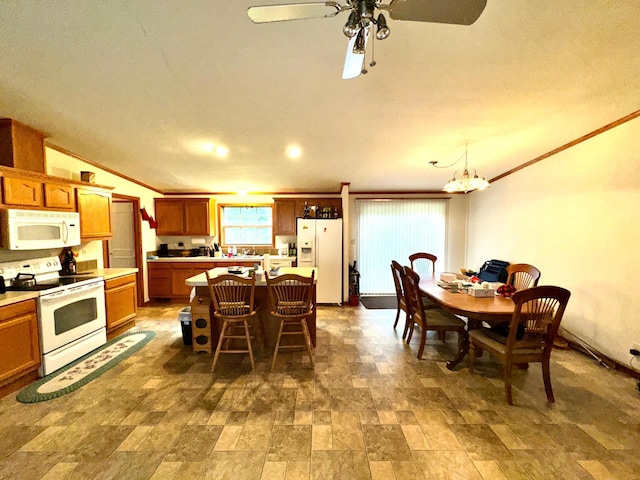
(362, 18)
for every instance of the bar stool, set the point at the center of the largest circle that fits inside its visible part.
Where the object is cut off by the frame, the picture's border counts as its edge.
(233, 303)
(292, 302)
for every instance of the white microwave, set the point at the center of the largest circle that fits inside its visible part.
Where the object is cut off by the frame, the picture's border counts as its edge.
(39, 229)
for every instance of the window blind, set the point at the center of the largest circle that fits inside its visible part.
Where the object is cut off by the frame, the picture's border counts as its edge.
(392, 230)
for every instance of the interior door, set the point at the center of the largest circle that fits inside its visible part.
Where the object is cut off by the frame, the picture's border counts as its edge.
(122, 245)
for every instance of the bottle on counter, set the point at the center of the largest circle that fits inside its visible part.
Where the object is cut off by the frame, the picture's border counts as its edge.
(295, 251)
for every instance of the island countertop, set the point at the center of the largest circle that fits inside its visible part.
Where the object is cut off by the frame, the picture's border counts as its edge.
(200, 280)
(229, 260)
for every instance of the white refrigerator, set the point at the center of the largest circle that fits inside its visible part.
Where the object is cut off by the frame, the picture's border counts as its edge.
(320, 245)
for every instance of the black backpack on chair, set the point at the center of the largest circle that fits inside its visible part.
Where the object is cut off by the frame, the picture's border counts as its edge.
(494, 271)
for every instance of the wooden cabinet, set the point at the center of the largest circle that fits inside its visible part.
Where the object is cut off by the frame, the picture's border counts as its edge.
(284, 217)
(169, 215)
(167, 279)
(59, 196)
(185, 216)
(94, 207)
(179, 273)
(121, 304)
(19, 345)
(21, 146)
(287, 210)
(159, 280)
(18, 191)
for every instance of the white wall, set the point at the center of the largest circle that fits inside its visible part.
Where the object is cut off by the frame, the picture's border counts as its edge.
(575, 217)
(65, 166)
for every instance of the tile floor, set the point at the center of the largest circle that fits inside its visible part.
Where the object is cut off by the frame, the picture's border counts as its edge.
(370, 410)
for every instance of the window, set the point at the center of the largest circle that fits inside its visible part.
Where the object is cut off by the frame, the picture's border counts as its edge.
(246, 225)
(393, 230)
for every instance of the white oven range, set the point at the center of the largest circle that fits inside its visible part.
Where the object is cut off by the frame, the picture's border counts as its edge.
(71, 310)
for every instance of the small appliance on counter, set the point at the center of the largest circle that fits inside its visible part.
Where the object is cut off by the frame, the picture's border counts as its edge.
(69, 263)
(163, 250)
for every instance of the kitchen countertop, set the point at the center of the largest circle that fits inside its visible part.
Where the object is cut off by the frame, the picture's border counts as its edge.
(200, 280)
(256, 258)
(107, 273)
(110, 273)
(15, 297)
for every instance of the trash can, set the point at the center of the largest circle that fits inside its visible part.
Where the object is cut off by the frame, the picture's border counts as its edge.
(185, 322)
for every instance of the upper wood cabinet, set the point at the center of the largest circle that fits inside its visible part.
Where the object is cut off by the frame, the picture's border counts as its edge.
(94, 207)
(185, 216)
(18, 191)
(59, 196)
(21, 146)
(287, 210)
(284, 217)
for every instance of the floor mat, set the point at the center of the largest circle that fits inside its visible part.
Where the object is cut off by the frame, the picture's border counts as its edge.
(85, 369)
(380, 302)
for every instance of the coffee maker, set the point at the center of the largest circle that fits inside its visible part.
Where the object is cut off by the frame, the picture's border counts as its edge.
(163, 251)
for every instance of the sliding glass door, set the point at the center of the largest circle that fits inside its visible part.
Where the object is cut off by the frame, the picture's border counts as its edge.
(392, 230)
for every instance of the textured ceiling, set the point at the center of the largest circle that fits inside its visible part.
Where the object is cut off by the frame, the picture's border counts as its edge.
(139, 87)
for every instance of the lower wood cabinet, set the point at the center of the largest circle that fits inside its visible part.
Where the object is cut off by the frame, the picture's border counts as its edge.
(167, 279)
(19, 345)
(121, 301)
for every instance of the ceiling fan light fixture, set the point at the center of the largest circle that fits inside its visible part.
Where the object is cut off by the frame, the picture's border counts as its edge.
(351, 28)
(383, 30)
(360, 46)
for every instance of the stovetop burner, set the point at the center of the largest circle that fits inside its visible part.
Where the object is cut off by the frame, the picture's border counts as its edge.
(47, 284)
(45, 273)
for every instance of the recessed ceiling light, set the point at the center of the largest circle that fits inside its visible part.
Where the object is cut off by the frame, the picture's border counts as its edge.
(293, 152)
(221, 151)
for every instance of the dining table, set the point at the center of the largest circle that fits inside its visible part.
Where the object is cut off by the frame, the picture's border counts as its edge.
(494, 310)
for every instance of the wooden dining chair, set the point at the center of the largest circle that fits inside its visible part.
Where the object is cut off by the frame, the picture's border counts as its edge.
(539, 310)
(291, 299)
(423, 263)
(233, 302)
(522, 275)
(435, 319)
(398, 280)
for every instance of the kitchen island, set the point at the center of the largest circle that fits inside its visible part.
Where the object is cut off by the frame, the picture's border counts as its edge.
(167, 275)
(201, 304)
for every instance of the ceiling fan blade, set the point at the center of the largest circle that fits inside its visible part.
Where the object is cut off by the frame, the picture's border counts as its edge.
(456, 12)
(354, 61)
(293, 11)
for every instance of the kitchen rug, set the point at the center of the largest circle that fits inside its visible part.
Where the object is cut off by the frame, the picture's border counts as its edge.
(380, 302)
(85, 369)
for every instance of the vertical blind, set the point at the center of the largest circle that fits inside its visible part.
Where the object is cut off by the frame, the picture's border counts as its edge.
(392, 230)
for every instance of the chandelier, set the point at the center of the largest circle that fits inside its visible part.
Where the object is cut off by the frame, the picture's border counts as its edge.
(463, 182)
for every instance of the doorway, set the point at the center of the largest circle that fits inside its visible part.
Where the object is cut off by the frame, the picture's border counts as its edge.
(124, 249)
